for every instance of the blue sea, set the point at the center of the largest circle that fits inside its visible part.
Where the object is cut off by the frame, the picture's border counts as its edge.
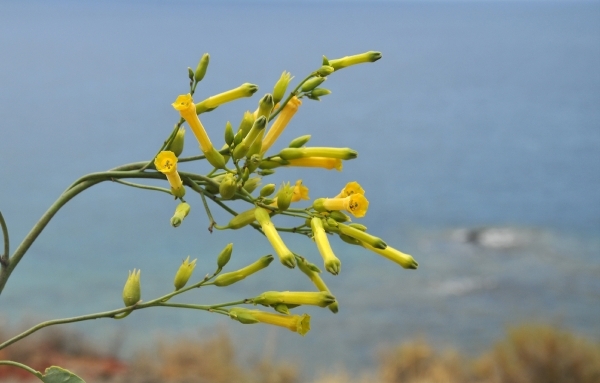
(478, 135)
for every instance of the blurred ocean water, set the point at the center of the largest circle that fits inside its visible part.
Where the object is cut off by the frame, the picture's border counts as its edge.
(479, 142)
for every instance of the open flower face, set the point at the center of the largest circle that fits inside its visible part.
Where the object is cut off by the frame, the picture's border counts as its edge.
(166, 162)
(184, 102)
(351, 188)
(357, 204)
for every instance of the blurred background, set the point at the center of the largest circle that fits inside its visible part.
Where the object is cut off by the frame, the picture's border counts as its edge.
(478, 135)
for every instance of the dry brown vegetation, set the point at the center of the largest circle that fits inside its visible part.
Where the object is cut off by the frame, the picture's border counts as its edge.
(529, 354)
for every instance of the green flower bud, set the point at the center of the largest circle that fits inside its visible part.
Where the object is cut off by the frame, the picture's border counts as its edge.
(318, 92)
(312, 83)
(246, 124)
(229, 136)
(245, 175)
(181, 211)
(241, 149)
(366, 57)
(281, 86)
(227, 279)
(252, 184)
(244, 90)
(367, 238)
(331, 222)
(265, 106)
(341, 153)
(176, 146)
(269, 298)
(201, 68)
(284, 196)
(184, 273)
(266, 172)
(228, 186)
(339, 216)
(243, 219)
(267, 190)
(350, 240)
(190, 73)
(224, 256)
(325, 70)
(298, 142)
(132, 292)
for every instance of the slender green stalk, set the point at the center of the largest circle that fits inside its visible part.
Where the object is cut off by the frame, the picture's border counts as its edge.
(24, 367)
(14, 260)
(140, 186)
(4, 257)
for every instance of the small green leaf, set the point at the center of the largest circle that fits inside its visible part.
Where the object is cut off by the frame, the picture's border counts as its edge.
(56, 374)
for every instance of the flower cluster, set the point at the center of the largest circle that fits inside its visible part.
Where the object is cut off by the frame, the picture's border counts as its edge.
(236, 171)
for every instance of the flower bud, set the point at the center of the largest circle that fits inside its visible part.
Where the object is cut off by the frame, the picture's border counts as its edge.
(246, 124)
(366, 57)
(266, 172)
(229, 136)
(267, 190)
(332, 263)
(325, 70)
(341, 153)
(281, 86)
(258, 126)
(367, 238)
(284, 196)
(339, 216)
(228, 186)
(299, 141)
(252, 184)
(190, 73)
(224, 256)
(244, 90)
(321, 299)
(181, 211)
(318, 92)
(201, 68)
(242, 219)
(176, 146)
(227, 279)
(404, 260)
(132, 292)
(312, 83)
(358, 226)
(184, 273)
(265, 106)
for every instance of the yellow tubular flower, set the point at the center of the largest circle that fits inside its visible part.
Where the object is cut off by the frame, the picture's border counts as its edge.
(404, 260)
(356, 204)
(166, 163)
(244, 90)
(295, 323)
(332, 263)
(187, 109)
(269, 298)
(317, 162)
(280, 123)
(351, 188)
(285, 255)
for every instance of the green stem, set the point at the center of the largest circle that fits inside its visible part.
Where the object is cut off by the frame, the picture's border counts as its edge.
(4, 257)
(203, 307)
(14, 260)
(165, 144)
(147, 187)
(23, 366)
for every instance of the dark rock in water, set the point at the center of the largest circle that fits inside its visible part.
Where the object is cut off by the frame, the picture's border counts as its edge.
(490, 237)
